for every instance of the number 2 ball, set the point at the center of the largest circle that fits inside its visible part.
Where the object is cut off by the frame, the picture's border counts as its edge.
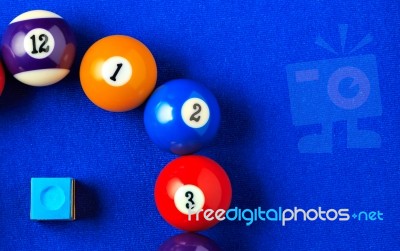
(38, 48)
(189, 185)
(182, 116)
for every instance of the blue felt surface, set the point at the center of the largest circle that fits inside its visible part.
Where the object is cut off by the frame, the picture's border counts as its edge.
(241, 51)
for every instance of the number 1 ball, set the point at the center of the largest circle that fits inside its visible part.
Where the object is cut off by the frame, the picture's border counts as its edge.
(182, 116)
(189, 185)
(38, 48)
(118, 73)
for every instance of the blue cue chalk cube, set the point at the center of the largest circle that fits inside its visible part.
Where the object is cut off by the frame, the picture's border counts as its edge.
(52, 199)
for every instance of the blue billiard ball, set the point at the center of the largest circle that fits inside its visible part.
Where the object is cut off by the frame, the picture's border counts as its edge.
(182, 116)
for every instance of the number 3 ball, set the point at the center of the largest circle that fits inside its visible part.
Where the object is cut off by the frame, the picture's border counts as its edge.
(189, 185)
(182, 116)
(118, 73)
(38, 48)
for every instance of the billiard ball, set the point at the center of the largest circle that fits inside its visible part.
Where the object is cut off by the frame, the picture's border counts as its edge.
(118, 73)
(189, 242)
(182, 116)
(2, 78)
(38, 48)
(188, 187)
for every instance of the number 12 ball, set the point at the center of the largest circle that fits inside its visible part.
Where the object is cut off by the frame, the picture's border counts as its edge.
(182, 116)
(38, 48)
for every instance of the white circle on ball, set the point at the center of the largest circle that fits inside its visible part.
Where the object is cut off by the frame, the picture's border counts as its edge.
(39, 43)
(189, 199)
(116, 71)
(195, 113)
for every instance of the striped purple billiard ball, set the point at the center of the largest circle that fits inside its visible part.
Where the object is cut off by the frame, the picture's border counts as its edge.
(38, 48)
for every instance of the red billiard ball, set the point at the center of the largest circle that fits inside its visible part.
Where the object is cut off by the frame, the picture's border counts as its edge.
(38, 48)
(190, 187)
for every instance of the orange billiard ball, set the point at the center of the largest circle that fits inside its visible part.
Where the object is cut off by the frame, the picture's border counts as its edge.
(118, 73)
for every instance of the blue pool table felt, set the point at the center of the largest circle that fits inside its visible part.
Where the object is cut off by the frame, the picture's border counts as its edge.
(251, 54)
